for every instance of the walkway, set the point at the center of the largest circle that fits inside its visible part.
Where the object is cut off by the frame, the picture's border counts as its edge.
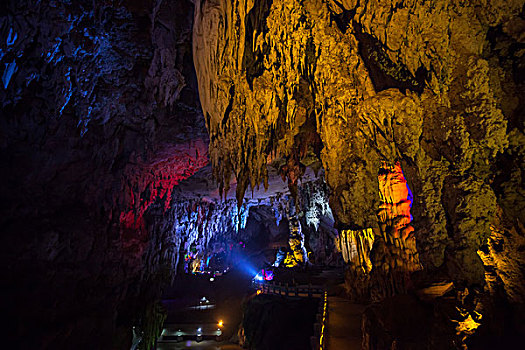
(304, 291)
(343, 330)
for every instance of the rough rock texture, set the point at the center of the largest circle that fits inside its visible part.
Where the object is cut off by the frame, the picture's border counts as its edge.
(236, 67)
(394, 255)
(100, 118)
(199, 223)
(355, 246)
(259, 66)
(504, 262)
(437, 86)
(318, 223)
(391, 324)
(390, 251)
(453, 318)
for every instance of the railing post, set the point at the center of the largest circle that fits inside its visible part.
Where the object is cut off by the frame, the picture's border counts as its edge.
(314, 342)
(317, 329)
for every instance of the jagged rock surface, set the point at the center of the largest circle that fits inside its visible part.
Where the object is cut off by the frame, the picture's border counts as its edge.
(383, 86)
(200, 222)
(437, 86)
(100, 118)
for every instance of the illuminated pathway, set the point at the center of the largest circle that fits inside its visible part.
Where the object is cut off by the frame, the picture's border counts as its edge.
(343, 330)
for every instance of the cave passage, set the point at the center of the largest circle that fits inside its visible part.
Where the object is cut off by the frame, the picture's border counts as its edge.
(221, 295)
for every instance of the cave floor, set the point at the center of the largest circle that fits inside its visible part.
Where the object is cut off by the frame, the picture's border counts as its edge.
(343, 328)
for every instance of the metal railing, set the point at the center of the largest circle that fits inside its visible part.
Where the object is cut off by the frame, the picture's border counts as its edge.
(318, 340)
(304, 291)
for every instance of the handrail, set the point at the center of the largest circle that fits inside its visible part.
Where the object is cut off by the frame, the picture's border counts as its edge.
(317, 341)
(287, 290)
(323, 323)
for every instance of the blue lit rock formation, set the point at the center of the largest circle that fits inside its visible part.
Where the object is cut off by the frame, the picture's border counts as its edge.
(199, 222)
(99, 110)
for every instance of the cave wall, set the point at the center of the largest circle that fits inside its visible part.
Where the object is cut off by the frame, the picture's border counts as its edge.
(100, 118)
(261, 223)
(434, 85)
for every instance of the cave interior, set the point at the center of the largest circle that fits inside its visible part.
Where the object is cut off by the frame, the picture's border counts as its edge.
(276, 174)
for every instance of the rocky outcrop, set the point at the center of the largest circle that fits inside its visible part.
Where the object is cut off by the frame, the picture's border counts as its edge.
(100, 118)
(304, 228)
(504, 262)
(236, 69)
(423, 84)
(391, 324)
(381, 260)
(394, 255)
(355, 247)
(317, 222)
(432, 88)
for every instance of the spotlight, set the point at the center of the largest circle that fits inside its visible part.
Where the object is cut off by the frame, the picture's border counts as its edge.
(220, 324)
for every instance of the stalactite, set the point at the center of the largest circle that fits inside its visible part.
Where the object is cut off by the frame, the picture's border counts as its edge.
(442, 98)
(149, 184)
(356, 246)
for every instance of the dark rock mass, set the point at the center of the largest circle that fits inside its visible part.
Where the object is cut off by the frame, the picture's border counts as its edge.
(100, 119)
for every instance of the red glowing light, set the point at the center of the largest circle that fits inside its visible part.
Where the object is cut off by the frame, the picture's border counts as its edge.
(154, 181)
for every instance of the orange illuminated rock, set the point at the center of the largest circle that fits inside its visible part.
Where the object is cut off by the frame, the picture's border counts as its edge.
(396, 201)
(431, 85)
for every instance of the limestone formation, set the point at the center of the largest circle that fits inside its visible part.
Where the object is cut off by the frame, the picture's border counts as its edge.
(199, 223)
(99, 119)
(368, 88)
(385, 82)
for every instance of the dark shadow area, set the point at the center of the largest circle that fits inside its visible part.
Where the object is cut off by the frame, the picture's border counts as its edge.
(277, 323)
